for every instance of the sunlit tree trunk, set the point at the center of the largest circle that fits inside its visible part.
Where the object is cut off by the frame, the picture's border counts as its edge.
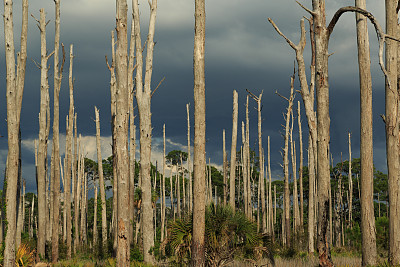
(232, 173)
(300, 168)
(198, 250)
(101, 183)
(392, 132)
(42, 146)
(15, 79)
(95, 218)
(189, 162)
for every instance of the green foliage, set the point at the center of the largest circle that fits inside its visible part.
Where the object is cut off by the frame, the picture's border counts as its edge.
(354, 235)
(176, 157)
(25, 256)
(382, 236)
(136, 254)
(228, 235)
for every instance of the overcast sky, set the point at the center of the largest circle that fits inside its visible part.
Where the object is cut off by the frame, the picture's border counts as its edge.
(242, 51)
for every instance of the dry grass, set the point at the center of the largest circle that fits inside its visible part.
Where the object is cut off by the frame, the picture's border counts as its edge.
(339, 261)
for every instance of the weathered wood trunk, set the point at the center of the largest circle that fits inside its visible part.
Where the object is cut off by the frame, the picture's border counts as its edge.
(14, 89)
(42, 144)
(392, 132)
(232, 173)
(198, 250)
(121, 181)
(101, 183)
(68, 165)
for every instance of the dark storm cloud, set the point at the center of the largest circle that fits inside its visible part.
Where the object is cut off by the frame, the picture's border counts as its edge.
(242, 51)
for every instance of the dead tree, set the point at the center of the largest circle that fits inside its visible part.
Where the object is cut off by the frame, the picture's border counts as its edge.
(260, 153)
(286, 163)
(42, 144)
(198, 249)
(232, 173)
(15, 78)
(101, 183)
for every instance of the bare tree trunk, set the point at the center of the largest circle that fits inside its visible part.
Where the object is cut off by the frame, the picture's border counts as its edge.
(286, 164)
(198, 251)
(351, 183)
(232, 174)
(311, 183)
(272, 214)
(296, 213)
(68, 166)
(15, 89)
(101, 183)
(300, 169)
(77, 196)
(42, 146)
(56, 142)
(19, 222)
(392, 132)
(163, 203)
(260, 153)
(121, 138)
(224, 167)
(369, 253)
(95, 218)
(143, 99)
(188, 162)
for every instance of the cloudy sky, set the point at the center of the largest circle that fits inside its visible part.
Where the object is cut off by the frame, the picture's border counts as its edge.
(242, 51)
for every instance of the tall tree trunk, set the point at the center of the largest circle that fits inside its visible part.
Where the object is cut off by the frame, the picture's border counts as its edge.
(68, 166)
(392, 132)
(14, 89)
(300, 169)
(77, 195)
(56, 143)
(198, 250)
(369, 253)
(311, 201)
(101, 183)
(42, 146)
(232, 174)
(143, 99)
(296, 213)
(121, 181)
(286, 165)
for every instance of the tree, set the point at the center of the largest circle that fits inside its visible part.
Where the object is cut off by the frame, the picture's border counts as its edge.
(368, 230)
(198, 252)
(101, 183)
(14, 93)
(121, 135)
(42, 147)
(68, 160)
(392, 131)
(143, 99)
(232, 174)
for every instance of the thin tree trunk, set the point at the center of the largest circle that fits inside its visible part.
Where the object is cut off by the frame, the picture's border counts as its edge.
(163, 203)
(188, 162)
(311, 201)
(198, 250)
(232, 174)
(272, 214)
(286, 164)
(77, 196)
(296, 213)
(42, 146)
(56, 142)
(14, 89)
(101, 183)
(69, 157)
(224, 167)
(95, 218)
(300, 169)
(351, 185)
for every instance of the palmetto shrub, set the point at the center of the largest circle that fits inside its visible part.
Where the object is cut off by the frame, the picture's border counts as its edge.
(228, 235)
